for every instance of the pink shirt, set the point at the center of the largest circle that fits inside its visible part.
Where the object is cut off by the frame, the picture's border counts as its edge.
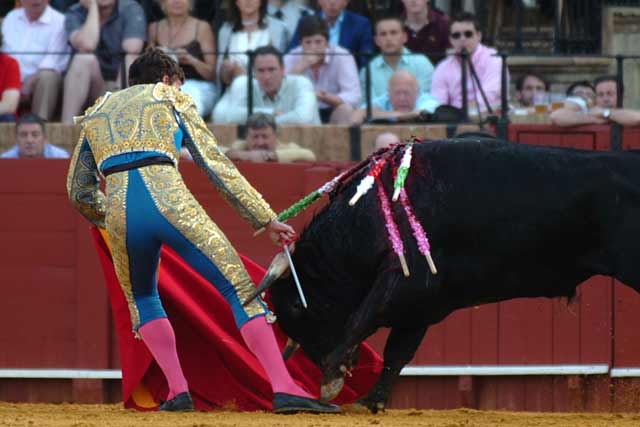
(446, 84)
(338, 75)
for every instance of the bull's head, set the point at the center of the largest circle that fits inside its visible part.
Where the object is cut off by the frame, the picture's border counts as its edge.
(312, 327)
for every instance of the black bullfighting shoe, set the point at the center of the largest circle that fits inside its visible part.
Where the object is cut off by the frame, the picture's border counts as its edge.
(284, 403)
(180, 403)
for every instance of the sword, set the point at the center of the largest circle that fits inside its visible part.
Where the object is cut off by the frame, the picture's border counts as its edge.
(295, 274)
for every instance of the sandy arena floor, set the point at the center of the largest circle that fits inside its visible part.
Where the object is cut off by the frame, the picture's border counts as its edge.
(68, 415)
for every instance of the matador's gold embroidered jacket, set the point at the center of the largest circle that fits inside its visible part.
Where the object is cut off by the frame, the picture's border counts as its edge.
(144, 119)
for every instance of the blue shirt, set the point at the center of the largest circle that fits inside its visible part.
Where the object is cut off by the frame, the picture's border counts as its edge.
(334, 30)
(381, 72)
(424, 102)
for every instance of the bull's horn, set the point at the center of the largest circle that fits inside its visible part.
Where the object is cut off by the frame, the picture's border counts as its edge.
(277, 268)
(289, 349)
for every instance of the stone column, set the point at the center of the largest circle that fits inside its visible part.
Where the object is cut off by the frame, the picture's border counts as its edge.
(621, 36)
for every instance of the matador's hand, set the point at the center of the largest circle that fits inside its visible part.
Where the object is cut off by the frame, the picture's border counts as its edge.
(279, 230)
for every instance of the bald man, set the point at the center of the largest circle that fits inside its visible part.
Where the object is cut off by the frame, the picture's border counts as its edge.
(402, 102)
(385, 140)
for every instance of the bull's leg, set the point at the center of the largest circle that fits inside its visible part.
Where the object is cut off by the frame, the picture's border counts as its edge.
(359, 327)
(399, 349)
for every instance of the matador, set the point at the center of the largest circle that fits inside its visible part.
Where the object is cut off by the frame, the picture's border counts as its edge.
(132, 138)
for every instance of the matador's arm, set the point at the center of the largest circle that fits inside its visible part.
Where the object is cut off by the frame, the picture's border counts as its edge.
(204, 149)
(83, 184)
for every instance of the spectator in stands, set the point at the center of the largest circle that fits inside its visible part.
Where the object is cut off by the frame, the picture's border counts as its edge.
(262, 145)
(99, 32)
(289, 12)
(346, 29)
(390, 38)
(582, 93)
(531, 89)
(9, 87)
(446, 85)
(290, 98)
(248, 28)
(37, 30)
(32, 142)
(186, 39)
(580, 100)
(331, 69)
(606, 88)
(385, 140)
(427, 28)
(403, 102)
(202, 9)
(585, 107)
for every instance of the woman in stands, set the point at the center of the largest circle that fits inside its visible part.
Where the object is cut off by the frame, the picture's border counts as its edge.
(191, 42)
(248, 28)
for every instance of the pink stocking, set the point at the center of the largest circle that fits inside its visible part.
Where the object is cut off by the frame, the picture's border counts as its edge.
(258, 335)
(159, 337)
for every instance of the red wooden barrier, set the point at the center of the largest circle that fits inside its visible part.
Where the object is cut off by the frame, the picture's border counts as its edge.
(584, 137)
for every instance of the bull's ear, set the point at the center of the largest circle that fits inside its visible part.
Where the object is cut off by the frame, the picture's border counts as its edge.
(278, 267)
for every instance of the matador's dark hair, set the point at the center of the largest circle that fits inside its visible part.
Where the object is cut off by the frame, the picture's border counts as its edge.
(151, 66)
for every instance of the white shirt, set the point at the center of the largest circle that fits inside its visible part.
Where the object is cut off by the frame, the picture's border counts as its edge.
(242, 41)
(295, 102)
(291, 13)
(46, 34)
(580, 102)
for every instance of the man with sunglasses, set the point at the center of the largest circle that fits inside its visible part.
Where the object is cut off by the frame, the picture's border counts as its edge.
(446, 85)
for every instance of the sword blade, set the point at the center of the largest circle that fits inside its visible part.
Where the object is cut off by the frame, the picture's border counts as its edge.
(295, 275)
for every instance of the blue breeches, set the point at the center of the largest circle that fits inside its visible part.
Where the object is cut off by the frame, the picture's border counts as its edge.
(151, 206)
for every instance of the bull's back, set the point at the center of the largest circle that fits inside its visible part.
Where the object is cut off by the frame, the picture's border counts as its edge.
(490, 180)
(508, 220)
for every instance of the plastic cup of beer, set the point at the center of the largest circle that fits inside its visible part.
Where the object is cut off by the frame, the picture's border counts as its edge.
(541, 108)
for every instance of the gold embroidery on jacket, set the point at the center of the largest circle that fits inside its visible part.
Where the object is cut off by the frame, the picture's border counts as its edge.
(83, 184)
(131, 120)
(180, 100)
(117, 228)
(180, 208)
(223, 173)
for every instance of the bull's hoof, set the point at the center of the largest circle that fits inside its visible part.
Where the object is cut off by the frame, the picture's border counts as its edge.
(331, 389)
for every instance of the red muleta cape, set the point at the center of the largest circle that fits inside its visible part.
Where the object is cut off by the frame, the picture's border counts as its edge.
(220, 369)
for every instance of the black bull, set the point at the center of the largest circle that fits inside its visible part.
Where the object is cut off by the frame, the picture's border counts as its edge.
(504, 221)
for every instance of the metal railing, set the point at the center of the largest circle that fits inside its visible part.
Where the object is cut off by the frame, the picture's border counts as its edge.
(573, 26)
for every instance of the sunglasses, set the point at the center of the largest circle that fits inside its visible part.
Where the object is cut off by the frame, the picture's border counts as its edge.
(467, 34)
